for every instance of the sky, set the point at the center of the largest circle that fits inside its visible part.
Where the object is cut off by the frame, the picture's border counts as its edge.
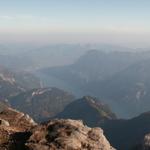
(124, 22)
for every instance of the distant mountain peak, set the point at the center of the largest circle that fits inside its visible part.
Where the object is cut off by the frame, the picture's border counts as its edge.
(91, 110)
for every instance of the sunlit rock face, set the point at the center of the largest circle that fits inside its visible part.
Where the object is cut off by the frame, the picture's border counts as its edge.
(67, 135)
(14, 129)
(16, 119)
(146, 142)
(19, 132)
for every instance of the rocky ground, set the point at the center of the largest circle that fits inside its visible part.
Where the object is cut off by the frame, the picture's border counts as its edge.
(67, 135)
(19, 132)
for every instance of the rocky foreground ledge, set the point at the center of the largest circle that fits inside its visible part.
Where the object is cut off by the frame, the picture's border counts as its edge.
(19, 132)
(67, 135)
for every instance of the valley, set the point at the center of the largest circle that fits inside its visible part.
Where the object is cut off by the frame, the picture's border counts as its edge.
(109, 90)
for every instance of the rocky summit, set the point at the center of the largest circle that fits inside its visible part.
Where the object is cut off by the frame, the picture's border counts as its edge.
(19, 132)
(67, 135)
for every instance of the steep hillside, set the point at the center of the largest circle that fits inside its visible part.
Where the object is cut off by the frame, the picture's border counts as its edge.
(128, 91)
(42, 103)
(119, 78)
(12, 83)
(94, 66)
(92, 111)
(127, 134)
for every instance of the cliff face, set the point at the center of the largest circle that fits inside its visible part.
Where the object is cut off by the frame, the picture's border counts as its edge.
(19, 132)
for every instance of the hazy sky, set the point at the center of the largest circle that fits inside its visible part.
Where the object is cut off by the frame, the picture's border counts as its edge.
(109, 21)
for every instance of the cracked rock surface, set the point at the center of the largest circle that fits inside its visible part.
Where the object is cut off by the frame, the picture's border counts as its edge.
(67, 135)
(19, 132)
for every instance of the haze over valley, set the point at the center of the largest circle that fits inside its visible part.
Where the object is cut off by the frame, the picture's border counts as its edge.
(74, 75)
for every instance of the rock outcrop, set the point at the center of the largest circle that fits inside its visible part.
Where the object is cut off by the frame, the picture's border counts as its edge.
(146, 142)
(14, 129)
(14, 118)
(19, 132)
(67, 135)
